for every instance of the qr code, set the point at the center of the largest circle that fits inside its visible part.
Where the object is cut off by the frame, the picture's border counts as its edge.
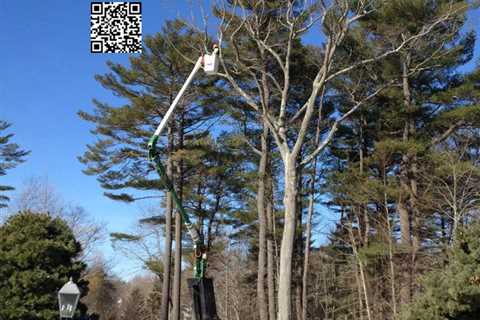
(115, 27)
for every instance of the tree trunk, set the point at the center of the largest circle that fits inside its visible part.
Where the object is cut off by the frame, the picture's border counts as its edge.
(405, 227)
(298, 301)
(164, 305)
(268, 195)
(416, 224)
(270, 265)
(288, 239)
(362, 272)
(306, 262)
(405, 291)
(262, 229)
(299, 244)
(177, 277)
(177, 267)
(270, 248)
(359, 292)
(388, 236)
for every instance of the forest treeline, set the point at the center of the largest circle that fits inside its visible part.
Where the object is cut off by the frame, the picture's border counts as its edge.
(331, 166)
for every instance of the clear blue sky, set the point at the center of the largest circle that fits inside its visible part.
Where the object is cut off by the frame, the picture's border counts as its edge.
(47, 75)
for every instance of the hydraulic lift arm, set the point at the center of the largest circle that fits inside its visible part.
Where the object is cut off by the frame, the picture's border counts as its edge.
(210, 64)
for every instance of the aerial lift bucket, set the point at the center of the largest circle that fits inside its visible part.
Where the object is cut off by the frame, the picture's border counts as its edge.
(203, 297)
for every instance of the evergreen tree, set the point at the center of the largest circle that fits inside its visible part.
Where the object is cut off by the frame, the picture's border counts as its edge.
(454, 291)
(290, 120)
(148, 86)
(38, 255)
(10, 156)
(384, 153)
(119, 158)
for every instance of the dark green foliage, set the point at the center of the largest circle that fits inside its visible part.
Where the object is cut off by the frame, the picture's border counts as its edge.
(38, 254)
(148, 86)
(384, 154)
(452, 293)
(389, 154)
(118, 236)
(10, 156)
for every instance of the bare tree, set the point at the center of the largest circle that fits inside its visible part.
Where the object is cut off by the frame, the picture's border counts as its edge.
(453, 188)
(39, 195)
(276, 38)
(235, 297)
(142, 243)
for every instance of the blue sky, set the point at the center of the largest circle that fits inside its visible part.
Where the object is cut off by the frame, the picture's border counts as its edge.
(47, 75)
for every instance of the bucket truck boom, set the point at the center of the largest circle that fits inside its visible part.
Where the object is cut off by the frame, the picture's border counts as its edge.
(204, 307)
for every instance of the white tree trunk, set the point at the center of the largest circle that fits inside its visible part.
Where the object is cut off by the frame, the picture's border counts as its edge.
(286, 249)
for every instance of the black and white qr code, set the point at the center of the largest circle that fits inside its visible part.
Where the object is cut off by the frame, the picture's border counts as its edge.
(115, 27)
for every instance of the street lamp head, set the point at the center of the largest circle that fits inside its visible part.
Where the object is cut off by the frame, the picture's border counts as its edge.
(67, 299)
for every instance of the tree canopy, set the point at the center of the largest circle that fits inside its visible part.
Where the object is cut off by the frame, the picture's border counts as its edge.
(11, 155)
(38, 255)
(452, 292)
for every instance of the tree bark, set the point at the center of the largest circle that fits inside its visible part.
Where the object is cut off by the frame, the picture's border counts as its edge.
(405, 227)
(270, 246)
(262, 228)
(270, 265)
(177, 267)
(306, 262)
(298, 300)
(405, 291)
(299, 245)
(388, 237)
(177, 277)
(288, 240)
(362, 272)
(164, 305)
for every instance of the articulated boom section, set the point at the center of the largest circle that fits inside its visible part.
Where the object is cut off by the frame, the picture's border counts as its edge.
(200, 254)
(204, 307)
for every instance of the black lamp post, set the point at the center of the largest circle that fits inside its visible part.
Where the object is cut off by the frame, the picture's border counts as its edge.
(67, 299)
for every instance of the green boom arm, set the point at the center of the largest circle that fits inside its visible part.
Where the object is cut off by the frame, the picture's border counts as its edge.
(210, 64)
(199, 248)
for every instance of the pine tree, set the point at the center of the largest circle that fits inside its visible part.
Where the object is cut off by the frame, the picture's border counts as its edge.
(454, 291)
(383, 153)
(290, 120)
(204, 173)
(119, 158)
(11, 155)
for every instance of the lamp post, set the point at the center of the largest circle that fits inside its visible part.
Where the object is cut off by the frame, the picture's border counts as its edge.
(67, 299)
